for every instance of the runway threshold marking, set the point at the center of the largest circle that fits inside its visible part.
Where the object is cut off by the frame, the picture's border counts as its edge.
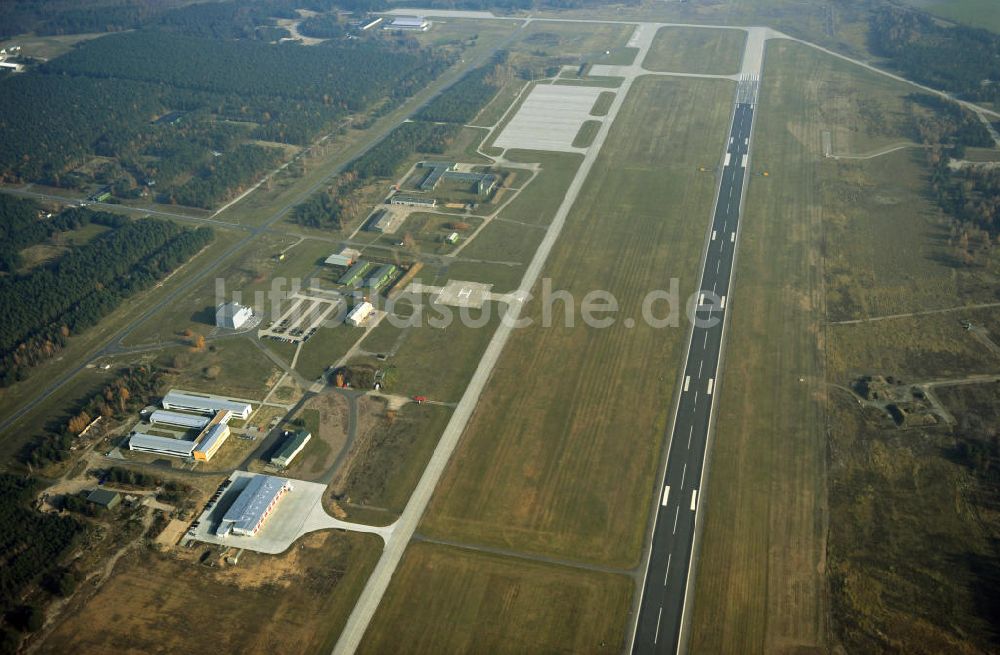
(666, 495)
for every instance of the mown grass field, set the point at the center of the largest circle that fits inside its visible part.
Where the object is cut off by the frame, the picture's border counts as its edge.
(560, 455)
(696, 50)
(824, 525)
(449, 600)
(759, 579)
(152, 602)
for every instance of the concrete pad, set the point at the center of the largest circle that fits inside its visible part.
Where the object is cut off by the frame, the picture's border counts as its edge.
(464, 294)
(298, 512)
(550, 118)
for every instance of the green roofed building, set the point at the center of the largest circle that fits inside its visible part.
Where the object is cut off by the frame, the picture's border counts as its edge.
(381, 277)
(293, 445)
(104, 498)
(355, 274)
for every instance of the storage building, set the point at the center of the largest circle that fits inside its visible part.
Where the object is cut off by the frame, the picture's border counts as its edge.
(379, 221)
(413, 201)
(360, 313)
(354, 274)
(189, 421)
(381, 276)
(210, 441)
(293, 445)
(151, 443)
(105, 498)
(232, 315)
(202, 404)
(345, 257)
(418, 23)
(252, 507)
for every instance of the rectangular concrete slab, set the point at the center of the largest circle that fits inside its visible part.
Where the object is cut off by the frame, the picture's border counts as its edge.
(550, 118)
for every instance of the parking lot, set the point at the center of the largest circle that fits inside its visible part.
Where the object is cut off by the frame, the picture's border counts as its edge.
(302, 317)
(550, 118)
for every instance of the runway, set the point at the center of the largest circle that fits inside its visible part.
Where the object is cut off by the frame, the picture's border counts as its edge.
(662, 606)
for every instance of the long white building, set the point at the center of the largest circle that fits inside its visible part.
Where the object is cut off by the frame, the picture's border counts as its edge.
(151, 443)
(360, 313)
(189, 421)
(203, 404)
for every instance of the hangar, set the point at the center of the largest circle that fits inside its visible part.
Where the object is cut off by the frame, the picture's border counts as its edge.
(252, 507)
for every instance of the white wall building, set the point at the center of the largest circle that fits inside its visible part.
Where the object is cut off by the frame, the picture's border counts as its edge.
(189, 421)
(205, 404)
(232, 315)
(360, 313)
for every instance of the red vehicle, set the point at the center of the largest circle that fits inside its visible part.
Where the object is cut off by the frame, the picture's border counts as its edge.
(419, 399)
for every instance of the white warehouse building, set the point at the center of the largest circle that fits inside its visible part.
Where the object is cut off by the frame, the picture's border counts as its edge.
(232, 315)
(360, 313)
(408, 23)
(189, 421)
(203, 404)
(151, 443)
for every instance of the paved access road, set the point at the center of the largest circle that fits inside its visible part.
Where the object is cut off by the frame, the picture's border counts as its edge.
(661, 610)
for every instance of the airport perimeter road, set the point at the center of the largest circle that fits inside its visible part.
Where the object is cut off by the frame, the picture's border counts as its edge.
(662, 606)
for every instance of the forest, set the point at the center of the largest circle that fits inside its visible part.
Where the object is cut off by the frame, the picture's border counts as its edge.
(333, 206)
(22, 225)
(31, 545)
(223, 176)
(463, 100)
(351, 74)
(127, 393)
(386, 157)
(954, 58)
(46, 305)
(105, 98)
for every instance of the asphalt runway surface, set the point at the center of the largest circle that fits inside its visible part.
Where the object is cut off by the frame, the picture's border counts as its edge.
(661, 610)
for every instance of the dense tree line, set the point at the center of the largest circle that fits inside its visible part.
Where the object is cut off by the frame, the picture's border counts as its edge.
(339, 202)
(224, 176)
(386, 157)
(331, 207)
(49, 124)
(225, 20)
(128, 392)
(351, 74)
(106, 96)
(963, 60)
(23, 224)
(971, 196)
(68, 17)
(322, 26)
(950, 124)
(49, 303)
(463, 100)
(31, 543)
